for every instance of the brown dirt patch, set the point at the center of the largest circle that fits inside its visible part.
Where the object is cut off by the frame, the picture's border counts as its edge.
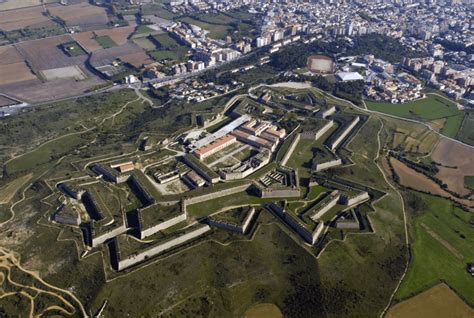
(458, 162)
(118, 35)
(418, 181)
(46, 54)
(437, 302)
(16, 72)
(437, 124)
(4, 101)
(9, 55)
(22, 18)
(263, 311)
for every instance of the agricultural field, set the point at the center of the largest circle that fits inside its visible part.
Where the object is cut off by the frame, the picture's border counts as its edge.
(144, 43)
(168, 48)
(467, 127)
(438, 301)
(105, 42)
(469, 182)
(89, 39)
(46, 53)
(236, 24)
(73, 49)
(81, 14)
(454, 163)
(431, 108)
(442, 234)
(420, 182)
(15, 72)
(413, 139)
(16, 4)
(13, 66)
(31, 17)
(64, 72)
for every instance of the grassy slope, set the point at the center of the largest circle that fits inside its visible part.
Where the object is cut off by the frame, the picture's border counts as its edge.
(432, 261)
(431, 108)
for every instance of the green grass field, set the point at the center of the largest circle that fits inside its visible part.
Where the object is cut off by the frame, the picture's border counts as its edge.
(469, 182)
(466, 133)
(443, 240)
(221, 25)
(45, 153)
(73, 49)
(430, 108)
(105, 41)
(167, 48)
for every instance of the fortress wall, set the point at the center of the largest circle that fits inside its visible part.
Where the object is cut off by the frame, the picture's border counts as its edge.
(141, 189)
(226, 226)
(235, 227)
(348, 225)
(243, 174)
(324, 129)
(248, 220)
(326, 165)
(328, 112)
(323, 210)
(363, 196)
(291, 222)
(200, 171)
(317, 232)
(291, 149)
(155, 250)
(70, 220)
(217, 194)
(283, 193)
(162, 226)
(97, 240)
(344, 134)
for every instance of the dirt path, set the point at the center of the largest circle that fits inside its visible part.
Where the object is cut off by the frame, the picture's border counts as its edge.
(8, 261)
(446, 244)
(405, 223)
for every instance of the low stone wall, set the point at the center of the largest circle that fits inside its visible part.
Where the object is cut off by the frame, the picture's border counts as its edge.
(157, 249)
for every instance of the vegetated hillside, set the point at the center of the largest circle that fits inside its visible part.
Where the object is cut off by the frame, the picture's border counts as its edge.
(442, 236)
(429, 109)
(271, 267)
